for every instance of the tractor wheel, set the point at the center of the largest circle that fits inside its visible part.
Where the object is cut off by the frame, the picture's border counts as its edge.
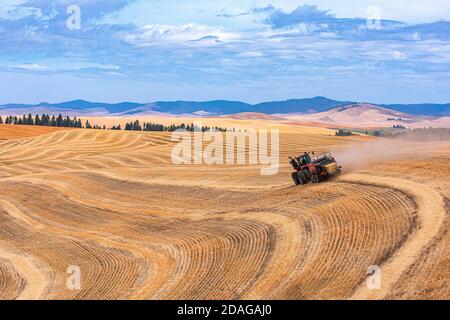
(295, 178)
(302, 178)
(307, 175)
(315, 178)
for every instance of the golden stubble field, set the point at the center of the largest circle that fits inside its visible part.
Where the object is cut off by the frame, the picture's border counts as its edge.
(139, 227)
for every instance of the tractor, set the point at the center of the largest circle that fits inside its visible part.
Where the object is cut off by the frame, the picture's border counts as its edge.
(315, 169)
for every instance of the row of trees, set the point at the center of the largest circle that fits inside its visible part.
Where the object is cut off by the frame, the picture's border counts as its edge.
(47, 121)
(344, 133)
(60, 121)
(150, 126)
(44, 120)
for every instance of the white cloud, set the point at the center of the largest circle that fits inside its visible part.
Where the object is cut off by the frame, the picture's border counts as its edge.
(399, 55)
(30, 66)
(62, 66)
(95, 66)
(7, 6)
(182, 34)
(416, 36)
(250, 54)
(16, 13)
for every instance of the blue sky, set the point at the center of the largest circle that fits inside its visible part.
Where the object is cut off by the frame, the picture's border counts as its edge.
(143, 51)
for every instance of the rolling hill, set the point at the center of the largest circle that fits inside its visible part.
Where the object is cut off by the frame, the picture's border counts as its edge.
(364, 115)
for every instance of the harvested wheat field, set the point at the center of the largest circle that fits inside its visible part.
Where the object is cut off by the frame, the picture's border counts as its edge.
(25, 131)
(140, 227)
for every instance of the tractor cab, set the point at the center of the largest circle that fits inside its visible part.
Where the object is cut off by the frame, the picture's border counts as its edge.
(301, 161)
(305, 159)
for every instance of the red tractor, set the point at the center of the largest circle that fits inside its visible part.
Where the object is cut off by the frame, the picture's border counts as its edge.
(315, 169)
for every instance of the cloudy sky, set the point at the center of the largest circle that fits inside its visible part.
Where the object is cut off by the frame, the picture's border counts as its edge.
(147, 50)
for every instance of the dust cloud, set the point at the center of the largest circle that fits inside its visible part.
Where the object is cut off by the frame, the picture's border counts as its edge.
(380, 151)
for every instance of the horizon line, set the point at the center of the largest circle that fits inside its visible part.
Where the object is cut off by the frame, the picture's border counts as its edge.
(217, 100)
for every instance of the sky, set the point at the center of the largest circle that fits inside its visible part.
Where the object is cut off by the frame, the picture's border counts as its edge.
(253, 51)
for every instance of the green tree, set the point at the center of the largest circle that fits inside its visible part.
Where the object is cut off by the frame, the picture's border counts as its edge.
(59, 121)
(30, 121)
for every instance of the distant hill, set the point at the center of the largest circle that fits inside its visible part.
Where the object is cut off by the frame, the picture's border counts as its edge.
(425, 109)
(314, 105)
(217, 107)
(253, 116)
(72, 107)
(211, 107)
(364, 115)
